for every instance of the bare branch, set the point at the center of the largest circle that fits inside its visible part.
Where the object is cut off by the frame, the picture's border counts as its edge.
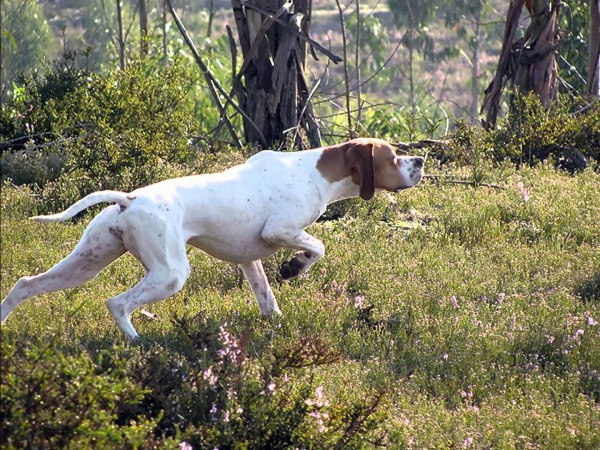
(346, 80)
(437, 179)
(212, 82)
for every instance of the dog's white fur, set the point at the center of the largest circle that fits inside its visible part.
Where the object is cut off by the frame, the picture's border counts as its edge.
(242, 215)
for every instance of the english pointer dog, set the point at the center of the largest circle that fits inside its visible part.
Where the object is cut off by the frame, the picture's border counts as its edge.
(242, 215)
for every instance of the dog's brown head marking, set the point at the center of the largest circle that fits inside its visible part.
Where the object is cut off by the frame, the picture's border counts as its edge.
(350, 159)
(372, 164)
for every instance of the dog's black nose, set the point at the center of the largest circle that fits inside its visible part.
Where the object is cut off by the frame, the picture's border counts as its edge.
(418, 161)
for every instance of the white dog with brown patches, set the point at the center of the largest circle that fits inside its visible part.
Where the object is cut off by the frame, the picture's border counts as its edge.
(242, 215)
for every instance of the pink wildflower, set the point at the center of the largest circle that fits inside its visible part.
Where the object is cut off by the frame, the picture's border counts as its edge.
(523, 191)
(590, 320)
(454, 302)
(500, 298)
(359, 301)
(209, 376)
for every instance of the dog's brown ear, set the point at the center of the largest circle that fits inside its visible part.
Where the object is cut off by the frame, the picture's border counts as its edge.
(360, 162)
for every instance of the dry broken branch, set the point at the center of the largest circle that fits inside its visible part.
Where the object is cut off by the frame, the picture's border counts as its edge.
(437, 179)
(213, 84)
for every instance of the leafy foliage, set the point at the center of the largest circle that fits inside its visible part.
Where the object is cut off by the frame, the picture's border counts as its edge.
(531, 134)
(104, 131)
(25, 40)
(51, 399)
(574, 50)
(448, 316)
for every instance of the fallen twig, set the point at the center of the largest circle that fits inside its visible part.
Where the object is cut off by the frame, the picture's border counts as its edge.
(30, 194)
(149, 314)
(437, 178)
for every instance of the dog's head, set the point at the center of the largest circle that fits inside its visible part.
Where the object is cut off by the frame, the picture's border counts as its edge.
(372, 164)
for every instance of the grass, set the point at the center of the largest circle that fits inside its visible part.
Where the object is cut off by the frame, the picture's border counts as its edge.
(447, 316)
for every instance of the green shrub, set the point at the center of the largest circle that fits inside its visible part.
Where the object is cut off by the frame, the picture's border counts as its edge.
(112, 131)
(218, 388)
(32, 167)
(530, 134)
(53, 400)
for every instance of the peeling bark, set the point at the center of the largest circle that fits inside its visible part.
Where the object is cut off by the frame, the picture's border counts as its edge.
(271, 86)
(527, 64)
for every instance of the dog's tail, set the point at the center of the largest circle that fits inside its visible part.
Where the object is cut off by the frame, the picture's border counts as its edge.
(122, 198)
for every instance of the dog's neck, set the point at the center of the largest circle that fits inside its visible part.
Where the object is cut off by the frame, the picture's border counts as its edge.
(333, 167)
(341, 190)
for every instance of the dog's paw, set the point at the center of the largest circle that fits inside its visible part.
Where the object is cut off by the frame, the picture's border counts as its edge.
(290, 269)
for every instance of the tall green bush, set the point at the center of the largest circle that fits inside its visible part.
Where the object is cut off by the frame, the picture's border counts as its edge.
(91, 131)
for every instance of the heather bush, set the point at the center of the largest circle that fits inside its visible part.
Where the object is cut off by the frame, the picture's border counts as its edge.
(531, 134)
(448, 315)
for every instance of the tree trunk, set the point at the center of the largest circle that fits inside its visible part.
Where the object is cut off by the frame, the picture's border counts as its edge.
(528, 64)
(275, 93)
(2, 51)
(474, 108)
(593, 78)
(121, 42)
(165, 54)
(211, 16)
(413, 106)
(143, 27)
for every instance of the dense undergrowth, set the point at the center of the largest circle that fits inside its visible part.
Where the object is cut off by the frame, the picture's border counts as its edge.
(451, 315)
(447, 316)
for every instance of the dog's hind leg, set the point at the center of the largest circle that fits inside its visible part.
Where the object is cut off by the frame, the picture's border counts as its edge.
(161, 250)
(98, 247)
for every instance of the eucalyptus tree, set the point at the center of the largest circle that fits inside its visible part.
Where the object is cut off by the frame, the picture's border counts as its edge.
(25, 39)
(470, 19)
(527, 64)
(271, 86)
(414, 15)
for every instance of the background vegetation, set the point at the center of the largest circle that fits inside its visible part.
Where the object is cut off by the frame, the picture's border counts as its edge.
(463, 313)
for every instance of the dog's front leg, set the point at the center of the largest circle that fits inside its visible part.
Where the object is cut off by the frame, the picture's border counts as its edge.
(310, 249)
(255, 274)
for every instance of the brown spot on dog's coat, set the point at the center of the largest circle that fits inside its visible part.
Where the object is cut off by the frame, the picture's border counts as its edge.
(333, 163)
(353, 158)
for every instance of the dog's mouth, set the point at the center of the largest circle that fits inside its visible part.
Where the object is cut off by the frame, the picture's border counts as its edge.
(415, 176)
